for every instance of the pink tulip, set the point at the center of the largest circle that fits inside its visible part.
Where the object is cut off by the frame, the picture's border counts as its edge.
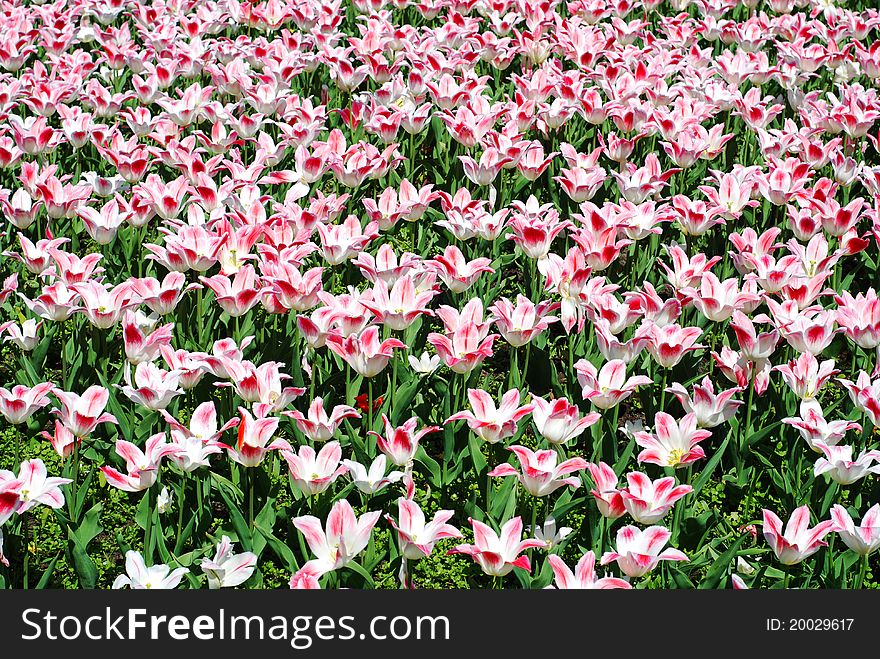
(317, 425)
(838, 463)
(400, 306)
(865, 395)
(558, 421)
(488, 422)
(313, 473)
(142, 467)
(498, 555)
(346, 536)
(584, 576)
(400, 443)
(863, 539)
(670, 343)
(639, 551)
(798, 541)
(541, 475)
(606, 493)
(805, 375)
(19, 404)
(416, 537)
(522, 322)
(648, 501)
(81, 414)
(608, 386)
(456, 271)
(152, 387)
(363, 352)
(35, 487)
(711, 409)
(254, 440)
(673, 443)
(162, 297)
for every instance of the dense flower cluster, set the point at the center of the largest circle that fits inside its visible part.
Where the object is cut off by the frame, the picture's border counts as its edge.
(344, 283)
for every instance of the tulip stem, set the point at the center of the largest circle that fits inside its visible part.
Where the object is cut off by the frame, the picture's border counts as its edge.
(251, 479)
(370, 401)
(148, 526)
(747, 427)
(63, 326)
(25, 534)
(74, 484)
(200, 320)
(17, 463)
(863, 569)
(533, 527)
(180, 504)
(663, 390)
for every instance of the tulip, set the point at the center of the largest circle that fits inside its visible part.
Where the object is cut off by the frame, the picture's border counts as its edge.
(372, 480)
(138, 576)
(416, 537)
(142, 467)
(838, 463)
(35, 486)
(346, 536)
(863, 539)
(488, 422)
(558, 421)
(81, 414)
(638, 551)
(314, 473)
(673, 443)
(609, 499)
(541, 475)
(227, 569)
(153, 388)
(648, 501)
(584, 576)
(400, 443)
(607, 387)
(522, 322)
(19, 404)
(498, 555)
(254, 437)
(317, 425)
(798, 541)
(363, 352)
(710, 409)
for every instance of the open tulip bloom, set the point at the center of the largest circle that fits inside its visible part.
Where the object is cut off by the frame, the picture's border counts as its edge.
(282, 277)
(541, 475)
(798, 541)
(640, 551)
(584, 576)
(497, 554)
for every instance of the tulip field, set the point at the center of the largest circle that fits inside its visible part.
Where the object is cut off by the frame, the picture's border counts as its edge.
(440, 294)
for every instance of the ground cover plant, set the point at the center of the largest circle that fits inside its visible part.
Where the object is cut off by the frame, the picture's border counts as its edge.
(439, 294)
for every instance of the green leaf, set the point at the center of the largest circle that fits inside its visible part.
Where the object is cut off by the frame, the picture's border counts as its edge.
(435, 476)
(237, 519)
(403, 397)
(90, 526)
(709, 469)
(720, 566)
(83, 565)
(47, 573)
(282, 551)
(477, 456)
(357, 567)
